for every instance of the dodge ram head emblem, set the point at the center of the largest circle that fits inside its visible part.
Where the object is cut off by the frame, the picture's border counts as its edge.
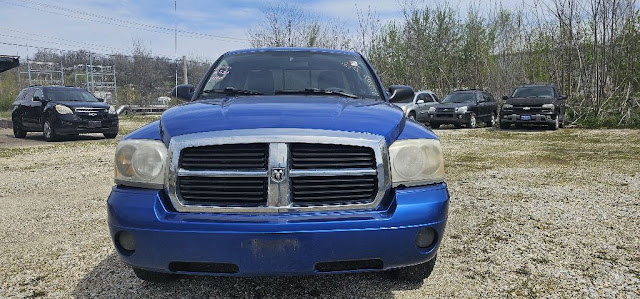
(277, 175)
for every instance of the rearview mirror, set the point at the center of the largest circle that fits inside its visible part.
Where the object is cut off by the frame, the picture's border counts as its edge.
(36, 99)
(399, 93)
(101, 100)
(183, 92)
(505, 98)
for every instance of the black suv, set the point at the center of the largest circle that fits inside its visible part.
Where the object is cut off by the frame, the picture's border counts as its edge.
(535, 104)
(464, 107)
(58, 111)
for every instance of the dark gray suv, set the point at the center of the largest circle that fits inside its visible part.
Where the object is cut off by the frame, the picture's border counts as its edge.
(57, 111)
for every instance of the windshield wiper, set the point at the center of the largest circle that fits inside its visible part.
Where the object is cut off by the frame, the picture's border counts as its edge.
(232, 91)
(318, 91)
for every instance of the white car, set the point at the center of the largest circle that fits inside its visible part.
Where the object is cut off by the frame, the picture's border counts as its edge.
(418, 107)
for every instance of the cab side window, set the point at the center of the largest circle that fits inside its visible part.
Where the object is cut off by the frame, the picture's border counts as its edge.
(422, 96)
(19, 98)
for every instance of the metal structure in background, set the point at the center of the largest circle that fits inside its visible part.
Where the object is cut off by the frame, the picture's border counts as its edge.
(43, 73)
(99, 79)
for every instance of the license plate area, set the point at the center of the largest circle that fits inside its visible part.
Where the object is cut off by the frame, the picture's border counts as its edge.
(94, 124)
(525, 117)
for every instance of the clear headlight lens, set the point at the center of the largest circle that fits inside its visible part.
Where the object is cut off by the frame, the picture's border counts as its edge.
(507, 106)
(416, 162)
(462, 109)
(548, 106)
(62, 109)
(112, 110)
(432, 109)
(141, 163)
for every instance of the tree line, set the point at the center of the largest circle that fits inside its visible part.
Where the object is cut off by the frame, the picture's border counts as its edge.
(589, 48)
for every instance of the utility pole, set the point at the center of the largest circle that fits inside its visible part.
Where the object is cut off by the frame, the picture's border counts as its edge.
(185, 79)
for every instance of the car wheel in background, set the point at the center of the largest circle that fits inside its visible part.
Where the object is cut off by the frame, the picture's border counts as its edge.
(434, 126)
(412, 116)
(48, 131)
(18, 132)
(110, 135)
(492, 120)
(564, 119)
(473, 121)
(504, 125)
(556, 123)
(153, 276)
(416, 273)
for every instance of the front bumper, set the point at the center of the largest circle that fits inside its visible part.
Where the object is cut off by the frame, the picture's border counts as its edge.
(536, 118)
(72, 124)
(277, 244)
(449, 118)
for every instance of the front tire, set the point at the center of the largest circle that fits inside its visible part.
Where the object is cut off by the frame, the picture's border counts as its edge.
(18, 132)
(153, 276)
(110, 135)
(473, 121)
(412, 116)
(434, 126)
(556, 123)
(49, 132)
(416, 273)
(504, 126)
(492, 120)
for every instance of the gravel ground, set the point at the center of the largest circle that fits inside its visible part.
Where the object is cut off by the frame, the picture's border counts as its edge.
(533, 214)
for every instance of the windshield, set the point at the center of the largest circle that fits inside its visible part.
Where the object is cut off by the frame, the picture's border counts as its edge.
(533, 92)
(283, 72)
(459, 97)
(75, 95)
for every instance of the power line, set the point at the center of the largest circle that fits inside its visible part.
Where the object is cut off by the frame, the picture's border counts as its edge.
(85, 44)
(116, 21)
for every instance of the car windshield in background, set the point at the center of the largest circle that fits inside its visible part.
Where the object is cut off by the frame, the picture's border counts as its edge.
(465, 97)
(533, 92)
(74, 95)
(292, 72)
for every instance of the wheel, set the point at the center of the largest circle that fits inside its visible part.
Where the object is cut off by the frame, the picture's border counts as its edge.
(504, 125)
(416, 273)
(473, 122)
(48, 132)
(556, 123)
(458, 126)
(110, 135)
(492, 120)
(18, 132)
(434, 126)
(153, 276)
(412, 116)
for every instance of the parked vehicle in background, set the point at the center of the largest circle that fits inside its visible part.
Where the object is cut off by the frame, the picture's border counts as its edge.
(418, 107)
(534, 104)
(285, 162)
(57, 111)
(465, 107)
(8, 62)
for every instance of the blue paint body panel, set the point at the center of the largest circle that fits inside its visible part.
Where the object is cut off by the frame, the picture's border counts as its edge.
(388, 234)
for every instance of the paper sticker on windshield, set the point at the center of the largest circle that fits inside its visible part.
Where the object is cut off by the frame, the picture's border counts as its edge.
(221, 72)
(352, 64)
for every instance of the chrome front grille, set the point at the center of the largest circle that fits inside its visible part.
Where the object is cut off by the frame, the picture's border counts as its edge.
(277, 170)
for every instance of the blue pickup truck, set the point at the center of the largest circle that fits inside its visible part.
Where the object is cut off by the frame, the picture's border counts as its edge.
(286, 161)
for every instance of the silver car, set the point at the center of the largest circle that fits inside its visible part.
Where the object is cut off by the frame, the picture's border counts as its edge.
(418, 107)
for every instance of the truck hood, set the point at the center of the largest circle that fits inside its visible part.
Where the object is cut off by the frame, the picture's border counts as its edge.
(288, 111)
(75, 104)
(453, 105)
(529, 101)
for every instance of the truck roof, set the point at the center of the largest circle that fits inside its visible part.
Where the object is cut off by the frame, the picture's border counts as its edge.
(318, 50)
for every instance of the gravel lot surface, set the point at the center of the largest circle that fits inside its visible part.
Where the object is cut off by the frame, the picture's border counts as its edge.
(533, 214)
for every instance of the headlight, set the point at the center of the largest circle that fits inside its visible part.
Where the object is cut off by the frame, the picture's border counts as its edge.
(62, 109)
(416, 162)
(462, 109)
(112, 110)
(507, 106)
(432, 109)
(548, 106)
(141, 163)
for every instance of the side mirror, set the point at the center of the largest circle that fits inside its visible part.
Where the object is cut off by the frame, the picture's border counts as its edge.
(420, 102)
(504, 98)
(183, 92)
(400, 93)
(563, 97)
(101, 100)
(481, 101)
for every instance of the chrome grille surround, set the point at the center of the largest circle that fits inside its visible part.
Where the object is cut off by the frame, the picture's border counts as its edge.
(279, 193)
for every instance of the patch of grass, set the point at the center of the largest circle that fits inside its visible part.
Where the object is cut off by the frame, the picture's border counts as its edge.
(5, 114)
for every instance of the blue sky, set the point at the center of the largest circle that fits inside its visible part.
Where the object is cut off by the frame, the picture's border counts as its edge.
(112, 26)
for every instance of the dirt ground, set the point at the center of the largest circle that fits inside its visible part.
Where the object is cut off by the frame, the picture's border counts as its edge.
(533, 214)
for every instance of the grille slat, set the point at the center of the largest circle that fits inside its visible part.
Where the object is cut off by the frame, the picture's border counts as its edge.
(226, 156)
(331, 156)
(226, 191)
(334, 190)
